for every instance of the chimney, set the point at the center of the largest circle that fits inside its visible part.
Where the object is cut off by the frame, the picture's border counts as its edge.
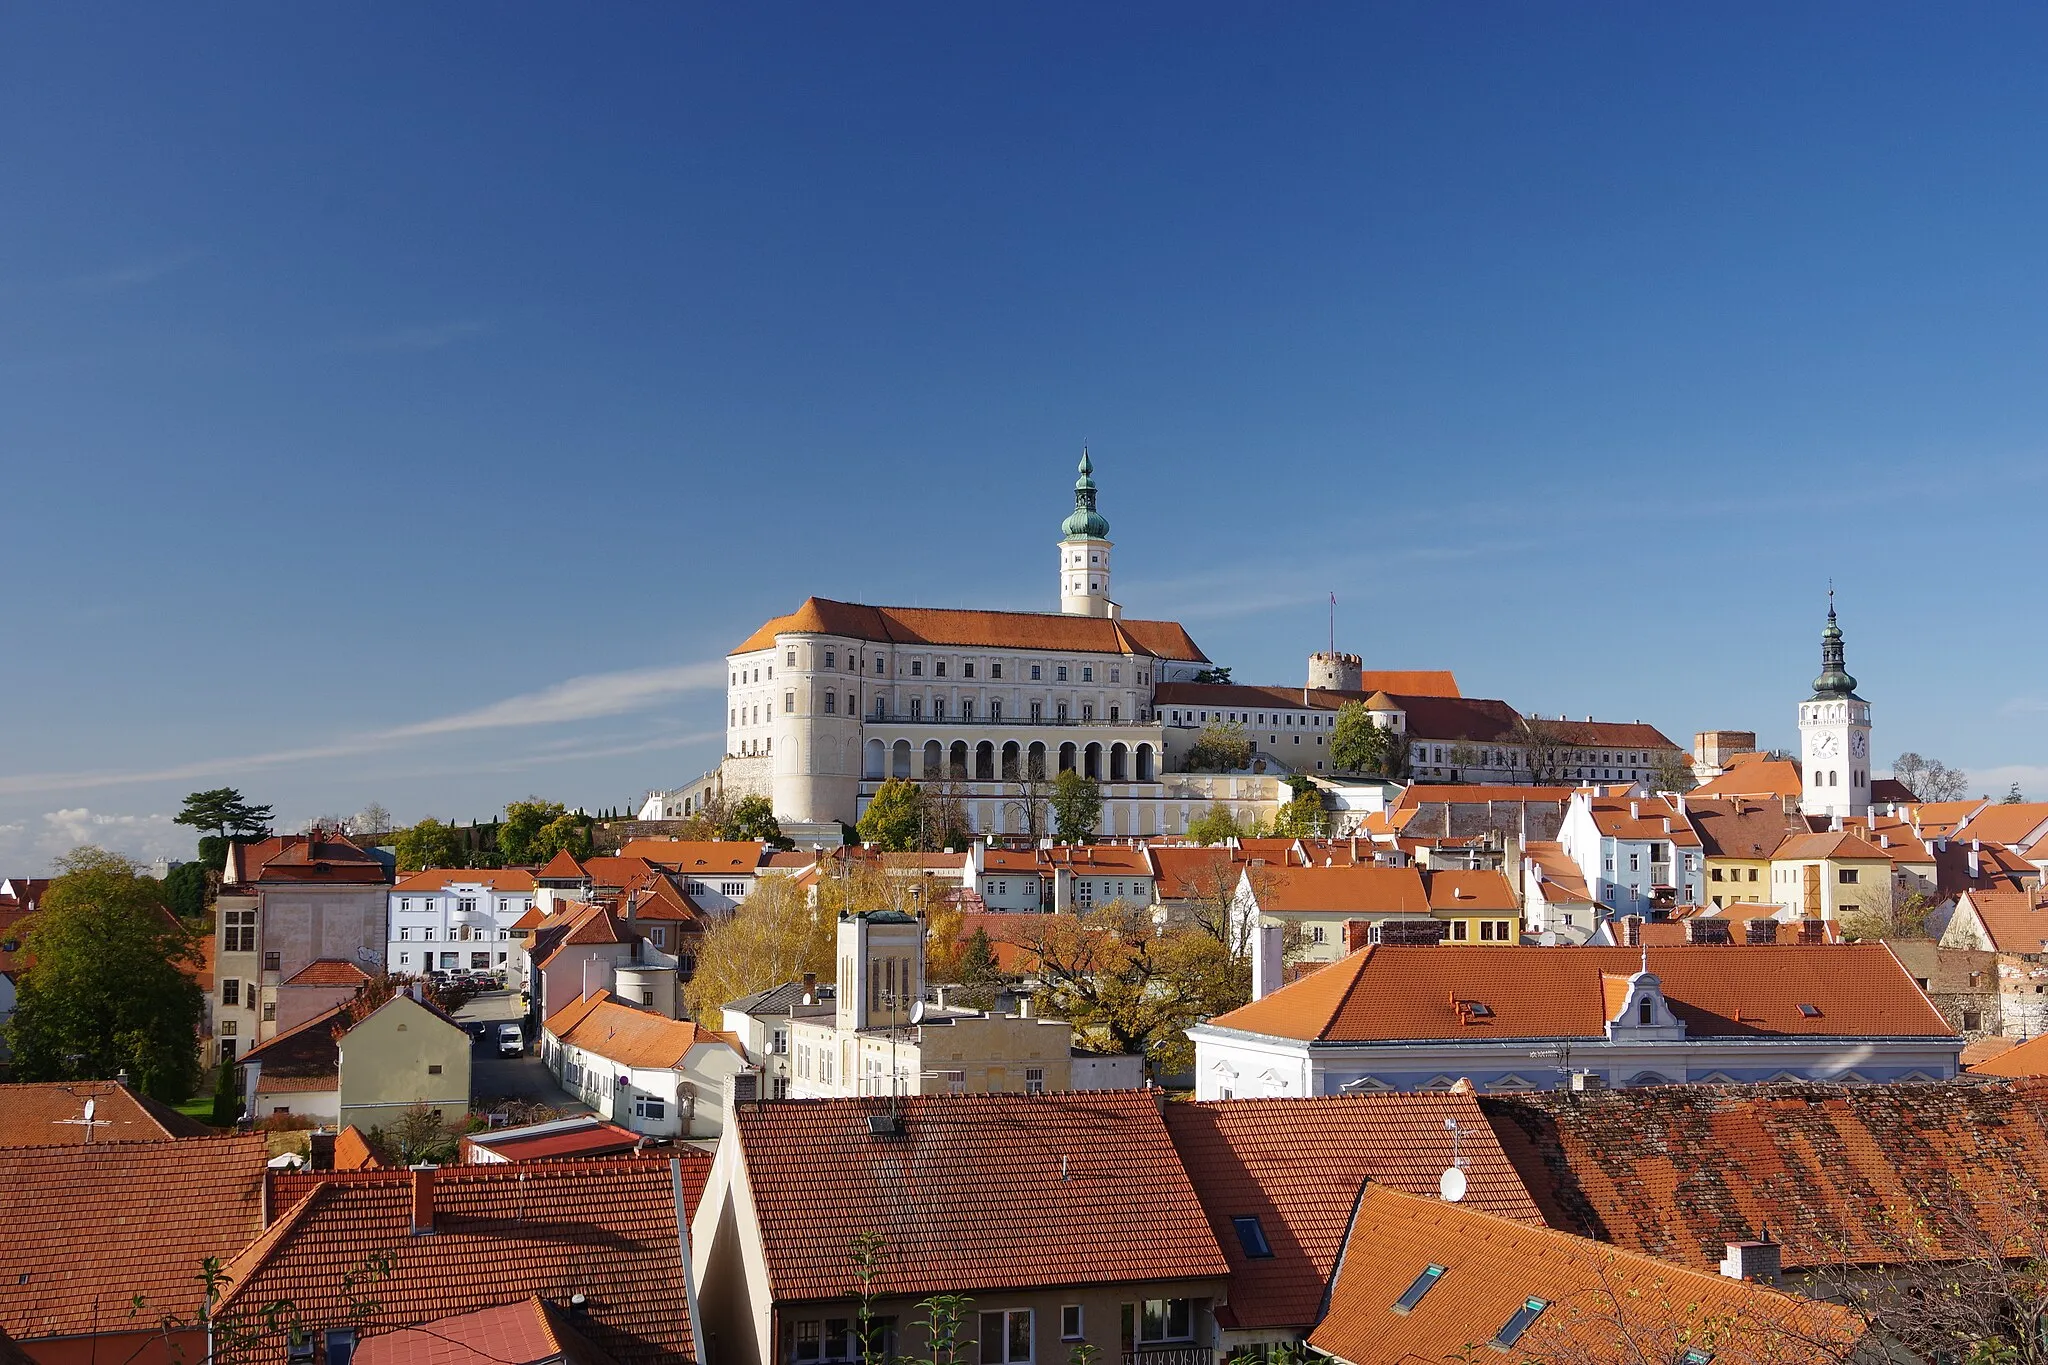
(1632, 931)
(1268, 968)
(1813, 931)
(1357, 933)
(1761, 930)
(810, 983)
(321, 1153)
(1751, 1261)
(423, 1199)
(742, 1087)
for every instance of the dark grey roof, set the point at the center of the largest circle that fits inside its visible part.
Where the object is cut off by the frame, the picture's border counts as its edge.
(779, 1001)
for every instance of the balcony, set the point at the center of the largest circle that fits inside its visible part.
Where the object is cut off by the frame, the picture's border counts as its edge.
(1170, 1355)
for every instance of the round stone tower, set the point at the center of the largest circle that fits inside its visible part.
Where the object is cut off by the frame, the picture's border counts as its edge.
(1335, 672)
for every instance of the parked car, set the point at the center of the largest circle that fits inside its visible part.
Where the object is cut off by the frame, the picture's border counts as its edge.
(511, 1040)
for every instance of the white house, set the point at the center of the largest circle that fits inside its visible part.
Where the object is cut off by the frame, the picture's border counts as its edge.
(1515, 1018)
(1637, 853)
(655, 1076)
(456, 919)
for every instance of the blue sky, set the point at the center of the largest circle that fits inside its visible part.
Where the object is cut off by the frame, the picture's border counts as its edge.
(411, 404)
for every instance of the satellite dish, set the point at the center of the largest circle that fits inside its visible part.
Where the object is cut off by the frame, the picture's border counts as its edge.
(90, 1106)
(917, 1012)
(1451, 1185)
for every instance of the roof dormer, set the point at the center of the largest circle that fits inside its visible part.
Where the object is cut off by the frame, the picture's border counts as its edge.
(1637, 1010)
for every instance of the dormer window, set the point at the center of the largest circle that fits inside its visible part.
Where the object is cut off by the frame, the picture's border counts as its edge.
(1646, 1011)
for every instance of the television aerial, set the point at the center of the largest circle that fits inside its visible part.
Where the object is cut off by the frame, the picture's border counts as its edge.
(1451, 1185)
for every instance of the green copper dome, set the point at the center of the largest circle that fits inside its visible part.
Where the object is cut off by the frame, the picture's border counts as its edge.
(1086, 523)
(1834, 681)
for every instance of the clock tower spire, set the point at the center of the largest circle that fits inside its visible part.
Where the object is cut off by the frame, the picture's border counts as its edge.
(1834, 734)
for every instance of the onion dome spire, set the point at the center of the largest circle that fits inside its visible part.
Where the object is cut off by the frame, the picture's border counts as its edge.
(1086, 523)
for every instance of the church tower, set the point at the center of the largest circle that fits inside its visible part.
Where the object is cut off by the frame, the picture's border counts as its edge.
(1834, 735)
(1084, 552)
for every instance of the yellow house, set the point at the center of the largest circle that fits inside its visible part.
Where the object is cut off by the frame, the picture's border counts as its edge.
(1739, 835)
(1475, 907)
(365, 1071)
(1828, 876)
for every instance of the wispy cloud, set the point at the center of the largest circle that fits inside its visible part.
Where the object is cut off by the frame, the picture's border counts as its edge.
(131, 275)
(428, 337)
(590, 697)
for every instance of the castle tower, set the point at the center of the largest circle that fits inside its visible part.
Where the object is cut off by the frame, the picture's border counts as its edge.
(1084, 553)
(1331, 672)
(1834, 735)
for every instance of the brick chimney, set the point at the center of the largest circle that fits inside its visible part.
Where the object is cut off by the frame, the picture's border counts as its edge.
(1357, 933)
(1632, 931)
(1761, 930)
(423, 1199)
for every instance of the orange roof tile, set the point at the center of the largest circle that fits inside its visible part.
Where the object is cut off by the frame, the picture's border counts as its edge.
(2019, 825)
(532, 919)
(628, 1036)
(2017, 921)
(606, 1229)
(329, 971)
(707, 857)
(38, 1114)
(91, 1227)
(1680, 1171)
(1562, 882)
(1388, 993)
(1456, 892)
(2027, 1059)
(1595, 1295)
(352, 1151)
(913, 626)
(561, 868)
(1341, 890)
(513, 879)
(1845, 846)
(526, 1333)
(1741, 826)
(1473, 794)
(1296, 1165)
(1753, 774)
(1108, 859)
(1642, 817)
(321, 858)
(993, 1192)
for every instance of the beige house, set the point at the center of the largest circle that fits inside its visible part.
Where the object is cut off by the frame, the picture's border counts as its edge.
(652, 1075)
(366, 1068)
(1830, 876)
(285, 903)
(882, 1038)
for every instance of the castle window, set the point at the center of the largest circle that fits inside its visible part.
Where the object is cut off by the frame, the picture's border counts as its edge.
(1087, 673)
(881, 708)
(1646, 1011)
(878, 663)
(830, 658)
(967, 670)
(1114, 712)
(917, 708)
(995, 670)
(831, 703)
(788, 702)
(967, 708)
(1036, 672)
(790, 658)
(939, 669)
(1060, 673)
(917, 668)
(995, 708)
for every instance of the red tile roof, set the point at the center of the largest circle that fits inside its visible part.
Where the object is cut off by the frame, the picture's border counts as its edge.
(628, 1036)
(1189, 873)
(321, 858)
(1421, 682)
(2025, 1059)
(1341, 890)
(1596, 1296)
(352, 1151)
(1642, 817)
(526, 1333)
(2017, 921)
(1296, 1165)
(596, 1138)
(1680, 1171)
(329, 971)
(1455, 892)
(2018, 824)
(1474, 794)
(304, 1057)
(1741, 826)
(513, 879)
(606, 1229)
(1394, 993)
(561, 868)
(704, 857)
(1843, 844)
(90, 1227)
(913, 626)
(1753, 774)
(981, 1193)
(39, 1114)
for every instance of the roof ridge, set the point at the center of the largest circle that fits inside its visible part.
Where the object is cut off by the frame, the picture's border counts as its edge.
(242, 1267)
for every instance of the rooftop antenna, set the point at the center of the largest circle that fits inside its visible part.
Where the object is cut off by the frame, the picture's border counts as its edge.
(1451, 1184)
(89, 1122)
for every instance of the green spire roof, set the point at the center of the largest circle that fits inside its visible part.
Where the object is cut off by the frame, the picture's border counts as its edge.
(1086, 523)
(1834, 680)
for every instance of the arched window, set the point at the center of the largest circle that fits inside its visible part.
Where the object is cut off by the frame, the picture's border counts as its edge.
(1646, 1011)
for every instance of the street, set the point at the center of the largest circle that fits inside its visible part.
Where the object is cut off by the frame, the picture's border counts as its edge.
(494, 1078)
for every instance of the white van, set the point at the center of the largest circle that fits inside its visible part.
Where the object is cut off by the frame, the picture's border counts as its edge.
(511, 1040)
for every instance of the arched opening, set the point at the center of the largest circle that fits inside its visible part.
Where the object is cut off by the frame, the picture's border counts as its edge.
(1067, 754)
(1091, 762)
(1119, 763)
(1144, 763)
(878, 759)
(1010, 753)
(899, 759)
(985, 762)
(956, 767)
(1034, 760)
(934, 757)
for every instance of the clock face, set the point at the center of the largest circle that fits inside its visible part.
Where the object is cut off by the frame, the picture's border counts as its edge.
(1826, 745)
(1859, 744)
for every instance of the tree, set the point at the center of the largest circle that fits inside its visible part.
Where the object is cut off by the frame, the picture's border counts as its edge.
(227, 1097)
(943, 813)
(1219, 823)
(187, 888)
(223, 811)
(1545, 747)
(371, 819)
(1929, 779)
(429, 844)
(567, 833)
(1303, 817)
(1220, 747)
(1029, 794)
(981, 976)
(1672, 772)
(524, 820)
(106, 988)
(2013, 796)
(892, 820)
(1076, 807)
(1213, 675)
(772, 937)
(1904, 917)
(420, 1134)
(1128, 987)
(753, 817)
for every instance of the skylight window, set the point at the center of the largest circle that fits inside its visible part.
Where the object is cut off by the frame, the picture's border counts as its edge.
(1476, 1009)
(1696, 1356)
(1252, 1237)
(1511, 1331)
(1810, 1011)
(1424, 1282)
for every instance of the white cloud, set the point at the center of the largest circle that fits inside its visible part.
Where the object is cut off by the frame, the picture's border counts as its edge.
(590, 697)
